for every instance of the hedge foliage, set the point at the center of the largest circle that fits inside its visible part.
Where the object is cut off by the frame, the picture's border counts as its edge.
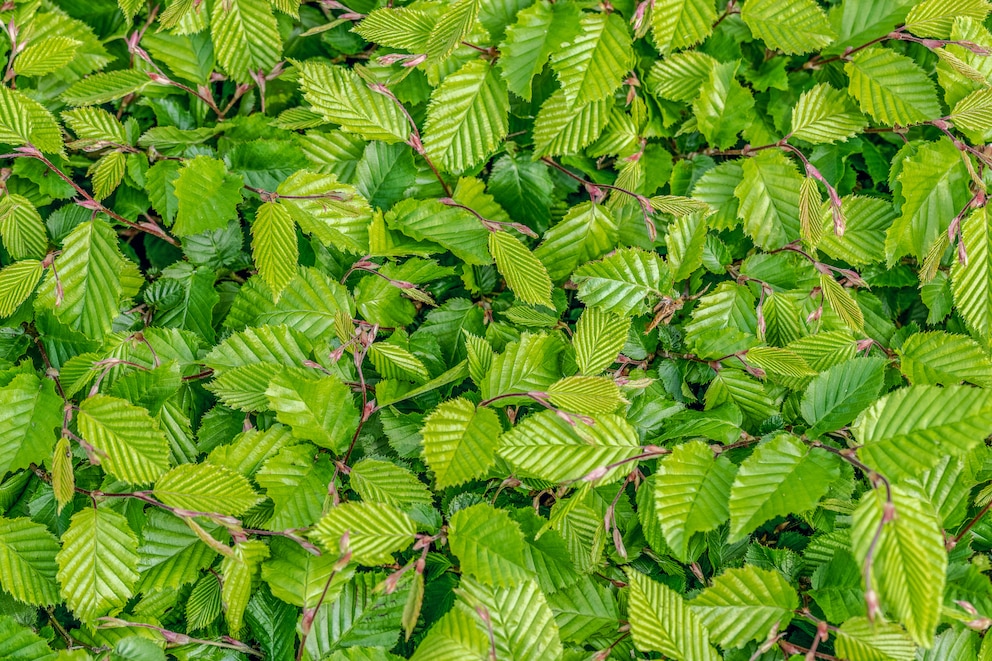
(512, 330)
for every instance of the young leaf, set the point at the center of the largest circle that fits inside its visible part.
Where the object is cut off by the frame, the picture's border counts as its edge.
(207, 194)
(524, 273)
(459, 441)
(206, 488)
(824, 115)
(128, 443)
(594, 63)
(797, 26)
(661, 621)
(891, 87)
(599, 338)
(745, 604)
(489, 545)
(274, 246)
(680, 23)
(27, 561)
(370, 532)
(246, 38)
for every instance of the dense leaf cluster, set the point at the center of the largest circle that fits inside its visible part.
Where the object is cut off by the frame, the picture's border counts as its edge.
(513, 330)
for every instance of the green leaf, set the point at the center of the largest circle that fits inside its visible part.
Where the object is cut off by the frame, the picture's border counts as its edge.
(320, 410)
(858, 638)
(546, 446)
(128, 442)
(944, 359)
(971, 281)
(592, 66)
(907, 431)
(679, 76)
(104, 87)
(680, 23)
(835, 397)
(25, 121)
(745, 604)
(398, 27)
(794, 27)
(459, 441)
(539, 31)
(97, 563)
(239, 571)
(451, 227)
(934, 187)
(274, 246)
(532, 637)
(825, 115)
(29, 413)
(208, 196)
(298, 577)
(451, 28)
(21, 228)
(172, 553)
(381, 481)
(530, 365)
(45, 56)
(206, 488)
(660, 621)
(27, 562)
(370, 532)
(246, 38)
(19, 643)
(620, 283)
(908, 558)
(769, 199)
(107, 174)
(467, 117)
(17, 283)
(565, 126)
(599, 338)
(863, 241)
(296, 479)
(782, 476)
(724, 107)
(489, 545)
(705, 508)
(455, 637)
(524, 273)
(340, 96)
(934, 18)
(585, 394)
(587, 232)
(891, 87)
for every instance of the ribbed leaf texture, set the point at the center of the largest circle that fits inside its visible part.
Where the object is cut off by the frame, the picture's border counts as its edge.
(660, 621)
(891, 88)
(489, 545)
(745, 604)
(370, 532)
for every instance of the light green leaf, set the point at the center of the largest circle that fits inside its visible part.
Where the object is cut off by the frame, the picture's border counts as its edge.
(25, 121)
(320, 410)
(585, 394)
(769, 199)
(971, 282)
(459, 441)
(45, 56)
(239, 571)
(679, 76)
(691, 494)
(17, 283)
(489, 545)
(341, 97)
(524, 273)
(246, 38)
(381, 481)
(587, 232)
(107, 174)
(398, 27)
(274, 246)
(834, 398)
(530, 365)
(21, 228)
(371, 532)
(863, 242)
(680, 23)
(539, 31)
(296, 479)
(206, 488)
(104, 87)
(208, 196)
(841, 301)
(909, 561)
(825, 115)
(686, 242)
(745, 604)
(724, 107)
(858, 638)
(128, 442)
(546, 446)
(782, 476)
(891, 87)
(451, 28)
(935, 18)
(595, 62)
(97, 563)
(906, 432)
(27, 562)
(660, 621)
(516, 638)
(793, 27)
(599, 338)
(30, 410)
(944, 359)
(467, 117)
(620, 283)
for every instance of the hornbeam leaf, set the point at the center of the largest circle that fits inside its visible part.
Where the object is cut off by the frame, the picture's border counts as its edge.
(935, 18)
(835, 397)
(539, 31)
(29, 414)
(467, 117)
(944, 359)
(680, 23)
(21, 228)
(524, 273)
(97, 563)
(794, 27)
(533, 637)
(906, 432)
(891, 87)
(103, 87)
(398, 27)
(25, 121)
(546, 446)
(705, 508)
(859, 638)
(723, 107)
(239, 572)
(459, 441)
(21, 643)
(971, 282)
(824, 115)
(206, 488)
(592, 66)
(745, 604)
(296, 479)
(274, 246)
(908, 558)
(128, 442)
(489, 545)
(660, 621)
(320, 410)
(782, 476)
(17, 283)
(841, 301)
(679, 76)
(620, 283)
(45, 56)
(208, 196)
(769, 199)
(587, 232)
(599, 338)
(341, 97)
(371, 532)
(246, 38)
(564, 126)
(27, 561)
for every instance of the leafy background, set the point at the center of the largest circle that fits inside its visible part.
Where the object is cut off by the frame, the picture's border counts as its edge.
(495, 329)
